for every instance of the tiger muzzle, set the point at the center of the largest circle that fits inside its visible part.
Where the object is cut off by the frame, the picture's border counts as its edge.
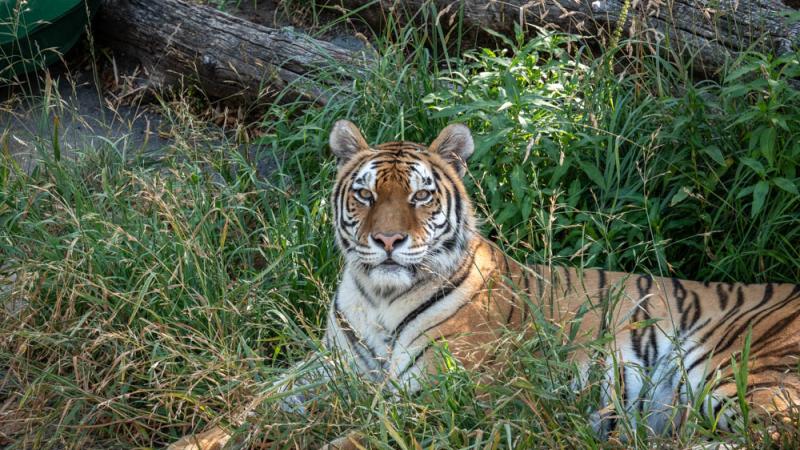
(389, 240)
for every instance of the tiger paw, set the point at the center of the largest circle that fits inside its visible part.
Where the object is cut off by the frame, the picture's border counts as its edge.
(213, 439)
(352, 441)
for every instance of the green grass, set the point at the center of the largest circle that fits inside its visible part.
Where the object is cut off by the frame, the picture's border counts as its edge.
(161, 295)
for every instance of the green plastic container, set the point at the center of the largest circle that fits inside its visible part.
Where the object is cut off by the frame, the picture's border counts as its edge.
(34, 33)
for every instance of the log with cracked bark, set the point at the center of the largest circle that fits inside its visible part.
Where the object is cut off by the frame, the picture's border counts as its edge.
(709, 31)
(225, 55)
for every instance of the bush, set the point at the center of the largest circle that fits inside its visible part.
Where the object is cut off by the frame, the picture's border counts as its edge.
(634, 171)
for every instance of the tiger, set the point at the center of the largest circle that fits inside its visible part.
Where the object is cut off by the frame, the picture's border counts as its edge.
(417, 273)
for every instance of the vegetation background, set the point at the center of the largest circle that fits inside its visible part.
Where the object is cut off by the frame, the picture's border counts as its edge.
(145, 297)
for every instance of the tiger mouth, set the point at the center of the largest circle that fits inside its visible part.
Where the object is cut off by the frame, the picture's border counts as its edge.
(389, 263)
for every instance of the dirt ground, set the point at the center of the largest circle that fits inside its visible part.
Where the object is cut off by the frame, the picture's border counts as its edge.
(88, 114)
(70, 101)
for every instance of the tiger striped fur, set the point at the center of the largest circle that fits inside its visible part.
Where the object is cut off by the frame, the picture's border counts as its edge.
(417, 273)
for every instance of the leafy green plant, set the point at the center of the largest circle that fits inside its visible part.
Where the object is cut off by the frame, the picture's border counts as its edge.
(610, 173)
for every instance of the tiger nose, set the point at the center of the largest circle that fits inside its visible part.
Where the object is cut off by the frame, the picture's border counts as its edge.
(389, 239)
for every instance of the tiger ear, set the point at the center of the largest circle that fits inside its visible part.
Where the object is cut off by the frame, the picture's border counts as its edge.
(455, 145)
(346, 140)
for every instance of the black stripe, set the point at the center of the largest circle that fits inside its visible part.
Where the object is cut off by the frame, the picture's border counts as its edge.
(421, 353)
(511, 308)
(732, 336)
(722, 296)
(739, 297)
(363, 292)
(540, 286)
(792, 349)
(605, 301)
(453, 283)
(505, 268)
(510, 276)
(699, 327)
(355, 343)
(624, 381)
(450, 243)
(771, 384)
(773, 335)
(457, 197)
(337, 193)
(641, 313)
(768, 292)
(527, 282)
(653, 345)
(721, 322)
(718, 407)
(772, 368)
(401, 145)
(687, 323)
(679, 293)
(644, 284)
(568, 278)
(388, 160)
(460, 307)
(449, 196)
(403, 293)
(775, 329)
(437, 226)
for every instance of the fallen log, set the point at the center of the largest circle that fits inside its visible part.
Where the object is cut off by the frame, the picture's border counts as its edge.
(224, 55)
(707, 31)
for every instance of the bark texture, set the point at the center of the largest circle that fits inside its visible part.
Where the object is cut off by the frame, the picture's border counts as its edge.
(225, 55)
(707, 30)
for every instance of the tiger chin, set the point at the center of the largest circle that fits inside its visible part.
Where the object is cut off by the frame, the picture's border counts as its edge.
(417, 274)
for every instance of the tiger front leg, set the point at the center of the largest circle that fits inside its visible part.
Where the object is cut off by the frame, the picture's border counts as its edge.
(213, 439)
(291, 392)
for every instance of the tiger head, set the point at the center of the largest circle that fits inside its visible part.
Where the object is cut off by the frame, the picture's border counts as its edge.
(400, 209)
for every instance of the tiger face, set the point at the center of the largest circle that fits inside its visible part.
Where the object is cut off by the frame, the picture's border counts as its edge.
(400, 209)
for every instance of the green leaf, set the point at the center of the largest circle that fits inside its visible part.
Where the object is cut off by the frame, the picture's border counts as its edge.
(740, 72)
(715, 153)
(506, 214)
(56, 144)
(504, 106)
(5, 170)
(680, 195)
(394, 433)
(786, 184)
(745, 192)
(594, 174)
(518, 182)
(755, 165)
(767, 144)
(759, 196)
(527, 207)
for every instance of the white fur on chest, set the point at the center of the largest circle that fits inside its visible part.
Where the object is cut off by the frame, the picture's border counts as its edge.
(385, 333)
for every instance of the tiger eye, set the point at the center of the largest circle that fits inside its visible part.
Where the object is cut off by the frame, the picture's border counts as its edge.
(421, 196)
(365, 194)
